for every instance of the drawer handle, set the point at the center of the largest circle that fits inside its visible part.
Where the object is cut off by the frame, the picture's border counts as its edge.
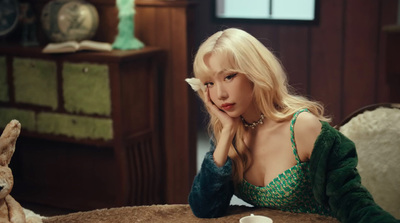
(85, 69)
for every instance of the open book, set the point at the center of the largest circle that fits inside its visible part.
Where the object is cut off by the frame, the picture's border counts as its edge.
(73, 46)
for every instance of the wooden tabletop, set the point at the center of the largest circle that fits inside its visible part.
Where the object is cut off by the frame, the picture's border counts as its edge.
(181, 214)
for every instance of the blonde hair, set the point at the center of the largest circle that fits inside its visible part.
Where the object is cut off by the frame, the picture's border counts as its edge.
(246, 55)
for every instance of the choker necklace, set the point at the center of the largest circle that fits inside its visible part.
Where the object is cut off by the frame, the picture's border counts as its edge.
(254, 124)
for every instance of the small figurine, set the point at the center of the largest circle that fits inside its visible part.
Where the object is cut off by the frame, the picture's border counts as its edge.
(27, 20)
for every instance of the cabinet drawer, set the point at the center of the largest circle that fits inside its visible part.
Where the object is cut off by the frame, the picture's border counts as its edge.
(27, 118)
(3, 81)
(78, 127)
(35, 82)
(86, 88)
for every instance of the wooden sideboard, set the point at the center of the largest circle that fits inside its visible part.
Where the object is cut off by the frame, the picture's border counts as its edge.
(90, 126)
(169, 25)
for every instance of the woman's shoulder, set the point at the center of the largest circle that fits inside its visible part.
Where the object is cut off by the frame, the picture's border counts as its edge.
(306, 131)
(307, 121)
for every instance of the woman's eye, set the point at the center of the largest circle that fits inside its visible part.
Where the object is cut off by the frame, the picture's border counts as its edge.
(230, 77)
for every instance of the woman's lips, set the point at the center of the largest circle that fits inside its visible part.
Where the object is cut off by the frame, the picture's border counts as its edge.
(227, 106)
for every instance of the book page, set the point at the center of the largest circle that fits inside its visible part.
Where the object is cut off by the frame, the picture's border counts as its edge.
(94, 45)
(64, 47)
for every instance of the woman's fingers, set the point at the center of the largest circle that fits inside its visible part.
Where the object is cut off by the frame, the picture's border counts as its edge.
(208, 101)
(207, 93)
(222, 116)
(210, 104)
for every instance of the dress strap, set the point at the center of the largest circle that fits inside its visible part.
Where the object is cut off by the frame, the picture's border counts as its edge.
(292, 133)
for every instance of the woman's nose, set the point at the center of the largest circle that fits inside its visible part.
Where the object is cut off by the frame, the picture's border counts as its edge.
(222, 94)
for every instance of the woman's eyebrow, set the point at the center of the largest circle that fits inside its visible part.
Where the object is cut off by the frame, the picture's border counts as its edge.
(223, 72)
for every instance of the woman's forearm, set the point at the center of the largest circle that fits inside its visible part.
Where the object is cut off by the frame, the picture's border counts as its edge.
(222, 149)
(212, 189)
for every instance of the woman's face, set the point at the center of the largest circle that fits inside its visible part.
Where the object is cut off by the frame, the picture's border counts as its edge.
(230, 92)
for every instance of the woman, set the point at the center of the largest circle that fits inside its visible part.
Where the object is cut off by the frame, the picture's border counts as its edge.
(270, 147)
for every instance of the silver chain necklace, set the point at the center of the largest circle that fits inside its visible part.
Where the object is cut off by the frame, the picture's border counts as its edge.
(254, 124)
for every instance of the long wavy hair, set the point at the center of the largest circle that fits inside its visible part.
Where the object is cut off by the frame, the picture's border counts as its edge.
(271, 92)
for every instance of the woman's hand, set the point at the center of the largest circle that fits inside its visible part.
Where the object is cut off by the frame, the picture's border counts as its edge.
(229, 128)
(226, 121)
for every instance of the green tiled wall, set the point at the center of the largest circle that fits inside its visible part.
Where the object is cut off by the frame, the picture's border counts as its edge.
(35, 82)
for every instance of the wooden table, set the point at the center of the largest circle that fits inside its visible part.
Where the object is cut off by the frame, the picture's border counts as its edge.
(181, 213)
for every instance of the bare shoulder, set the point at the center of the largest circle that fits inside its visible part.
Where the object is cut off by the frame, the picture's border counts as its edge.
(307, 122)
(306, 131)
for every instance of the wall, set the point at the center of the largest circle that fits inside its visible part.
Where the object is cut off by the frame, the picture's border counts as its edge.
(339, 62)
(169, 25)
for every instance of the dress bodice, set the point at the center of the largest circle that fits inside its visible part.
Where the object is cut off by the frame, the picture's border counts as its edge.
(289, 191)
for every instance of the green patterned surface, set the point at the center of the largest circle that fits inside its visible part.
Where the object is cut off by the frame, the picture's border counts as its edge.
(25, 117)
(35, 82)
(78, 127)
(3, 81)
(289, 191)
(86, 88)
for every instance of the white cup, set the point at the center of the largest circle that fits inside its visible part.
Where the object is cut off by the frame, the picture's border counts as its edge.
(255, 219)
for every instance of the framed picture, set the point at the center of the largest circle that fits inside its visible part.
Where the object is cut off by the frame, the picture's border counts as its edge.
(267, 11)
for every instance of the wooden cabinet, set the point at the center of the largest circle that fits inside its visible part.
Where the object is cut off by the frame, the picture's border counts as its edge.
(169, 25)
(90, 126)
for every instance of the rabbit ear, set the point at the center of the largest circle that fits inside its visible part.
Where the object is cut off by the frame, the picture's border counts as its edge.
(8, 140)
